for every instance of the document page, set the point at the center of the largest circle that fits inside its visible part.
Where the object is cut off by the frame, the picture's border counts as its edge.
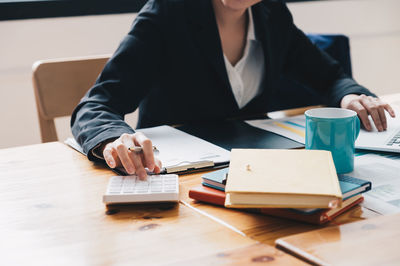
(73, 144)
(290, 127)
(178, 148)
(294, 128)
(178, 151)
(384, 173)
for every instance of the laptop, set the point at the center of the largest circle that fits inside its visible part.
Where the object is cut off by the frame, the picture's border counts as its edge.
(388, 140)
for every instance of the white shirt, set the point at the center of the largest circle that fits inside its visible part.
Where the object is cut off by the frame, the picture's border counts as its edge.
(248, 73)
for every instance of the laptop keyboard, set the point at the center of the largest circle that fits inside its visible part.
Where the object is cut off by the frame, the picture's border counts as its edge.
(395, 141)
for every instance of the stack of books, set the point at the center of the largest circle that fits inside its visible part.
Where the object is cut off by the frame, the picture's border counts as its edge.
(295, 184)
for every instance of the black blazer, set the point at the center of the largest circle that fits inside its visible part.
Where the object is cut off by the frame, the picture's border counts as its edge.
(171, 66)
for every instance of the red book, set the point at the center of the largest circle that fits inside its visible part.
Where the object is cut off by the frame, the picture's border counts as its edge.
(207, 194)
(321, 216)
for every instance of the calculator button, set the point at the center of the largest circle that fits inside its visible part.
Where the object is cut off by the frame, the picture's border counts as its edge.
(170, 190)
(141, 191)
(128, 189)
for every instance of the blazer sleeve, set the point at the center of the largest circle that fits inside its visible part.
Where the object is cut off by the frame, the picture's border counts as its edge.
(126, 79)
(311, 66)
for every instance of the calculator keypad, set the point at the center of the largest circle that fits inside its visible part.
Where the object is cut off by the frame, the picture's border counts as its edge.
(126, 189)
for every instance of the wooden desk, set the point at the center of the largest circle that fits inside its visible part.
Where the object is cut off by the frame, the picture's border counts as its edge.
(263, 228)
(52, 214)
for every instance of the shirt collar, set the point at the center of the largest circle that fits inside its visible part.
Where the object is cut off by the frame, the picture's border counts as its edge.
(250, 28)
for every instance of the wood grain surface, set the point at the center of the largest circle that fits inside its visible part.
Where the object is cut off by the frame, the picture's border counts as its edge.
(52, 214)
(251, 255)
(371, 242)
(263, 228)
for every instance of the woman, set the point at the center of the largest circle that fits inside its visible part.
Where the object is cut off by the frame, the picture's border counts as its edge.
(201, 60)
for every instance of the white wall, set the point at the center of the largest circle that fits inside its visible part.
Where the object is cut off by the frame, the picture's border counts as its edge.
(374, 30)
(373, 26)
(25, 41)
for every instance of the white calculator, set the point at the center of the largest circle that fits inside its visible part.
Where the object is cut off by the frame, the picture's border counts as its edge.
(130, 189)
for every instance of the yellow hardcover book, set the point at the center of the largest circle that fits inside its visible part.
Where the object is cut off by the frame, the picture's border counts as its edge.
(266, 178)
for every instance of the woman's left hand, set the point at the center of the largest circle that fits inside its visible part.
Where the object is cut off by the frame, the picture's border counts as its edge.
(367, 105)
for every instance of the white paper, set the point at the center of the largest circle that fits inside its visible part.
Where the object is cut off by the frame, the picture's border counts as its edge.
(384, 173)
(294, 128)
(290, 127)
(177, 149)
(73, 144)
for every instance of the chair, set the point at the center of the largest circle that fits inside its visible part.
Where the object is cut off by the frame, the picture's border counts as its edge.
(59, 85)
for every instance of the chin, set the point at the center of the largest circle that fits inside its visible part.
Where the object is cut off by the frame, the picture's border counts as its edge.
(239, 4)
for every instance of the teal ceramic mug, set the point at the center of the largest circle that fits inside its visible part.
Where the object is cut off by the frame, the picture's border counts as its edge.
(335, 130)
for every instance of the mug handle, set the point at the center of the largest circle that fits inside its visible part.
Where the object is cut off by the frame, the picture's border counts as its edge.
(357, 128)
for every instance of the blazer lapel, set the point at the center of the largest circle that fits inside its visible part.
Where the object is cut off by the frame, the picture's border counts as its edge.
(205, 33)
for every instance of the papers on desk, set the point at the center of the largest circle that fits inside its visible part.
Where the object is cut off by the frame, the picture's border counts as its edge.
(294, 128)
(179, 151)
(383, 172)
(380, 169)
(73, 144)
(290, 127)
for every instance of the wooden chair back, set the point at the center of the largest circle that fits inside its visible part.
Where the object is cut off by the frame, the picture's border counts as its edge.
(59, 85)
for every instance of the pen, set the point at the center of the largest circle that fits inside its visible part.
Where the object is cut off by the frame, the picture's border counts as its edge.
(139, 149)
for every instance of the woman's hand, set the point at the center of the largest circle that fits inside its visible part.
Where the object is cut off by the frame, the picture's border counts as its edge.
(367, 105)
(117, 154)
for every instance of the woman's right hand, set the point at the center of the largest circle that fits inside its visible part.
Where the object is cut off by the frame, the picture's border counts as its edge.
(117, 154)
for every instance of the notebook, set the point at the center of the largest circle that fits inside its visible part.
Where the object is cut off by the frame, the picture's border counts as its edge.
(349, 186)
(320, 216)
(372, 241)
(216, 179)
(207, 194)
(178, 151)
(260, 178)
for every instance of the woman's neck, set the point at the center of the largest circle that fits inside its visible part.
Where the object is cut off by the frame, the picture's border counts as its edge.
(232, 28)
(227, 17)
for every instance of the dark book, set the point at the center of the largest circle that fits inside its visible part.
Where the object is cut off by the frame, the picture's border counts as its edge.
(216, 179)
